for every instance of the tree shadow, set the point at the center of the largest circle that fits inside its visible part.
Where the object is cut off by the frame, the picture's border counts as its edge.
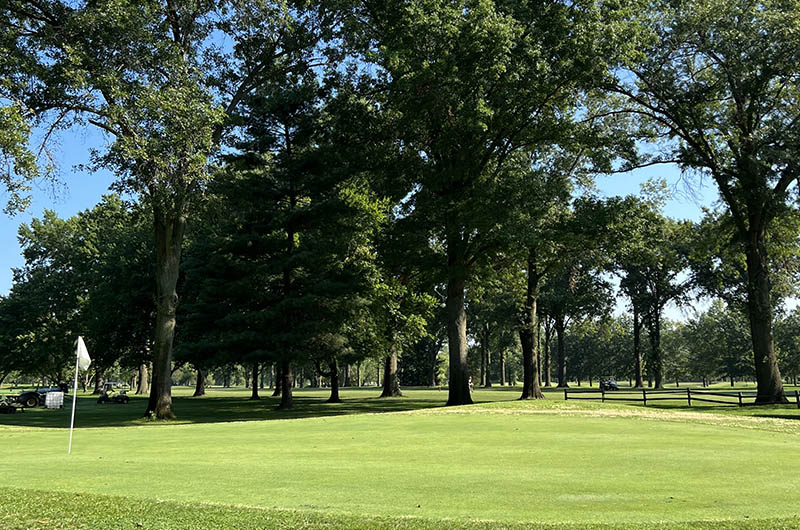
(212, 409)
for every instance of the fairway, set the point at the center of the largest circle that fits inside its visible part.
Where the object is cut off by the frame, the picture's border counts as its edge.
(507, 462)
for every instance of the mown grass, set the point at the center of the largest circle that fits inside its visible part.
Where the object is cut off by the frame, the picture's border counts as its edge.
(55, 510)
(401, 463)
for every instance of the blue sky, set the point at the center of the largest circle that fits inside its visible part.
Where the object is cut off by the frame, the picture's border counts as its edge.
(79, 189)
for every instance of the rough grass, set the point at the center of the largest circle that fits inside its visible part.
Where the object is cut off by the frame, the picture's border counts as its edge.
(401, 463)
(72, 511)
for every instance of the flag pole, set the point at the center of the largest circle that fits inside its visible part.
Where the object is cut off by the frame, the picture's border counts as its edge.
(74, 399)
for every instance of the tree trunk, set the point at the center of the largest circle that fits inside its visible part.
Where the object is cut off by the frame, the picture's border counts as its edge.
(200, 386)
(334, 366)
(759, 310)
(655, 345)
(527, 336)
(487, 383)
(432, 357)
(502, 367)
(483, 363)
(548, 369)
(458, 386)
(358, 374)
(637, 351)
(539, 350)
(278, 381)
(254, 378)
(169, 230)
(562, 360)
(378, 375)
(98, 381)
(347, 381)
(391, 381)
(286, 385)
(143, 386)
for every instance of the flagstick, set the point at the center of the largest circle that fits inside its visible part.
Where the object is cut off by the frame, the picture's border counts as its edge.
(74, 398)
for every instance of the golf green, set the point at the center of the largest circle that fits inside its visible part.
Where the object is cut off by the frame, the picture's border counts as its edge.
(505, 462)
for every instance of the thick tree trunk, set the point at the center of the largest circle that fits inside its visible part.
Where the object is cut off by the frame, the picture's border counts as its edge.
(334, 366)
(254, 378)
(637, 350)
(759, 310)
(143, 386)
(278, 381)
(286, 385)
(527, 336)
(169, 230)
(458, 386)
(391, 381)
(562, 360)
(98, 381)
(200, 386)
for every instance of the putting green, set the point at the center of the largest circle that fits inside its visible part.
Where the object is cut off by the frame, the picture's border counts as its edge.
(541, 462)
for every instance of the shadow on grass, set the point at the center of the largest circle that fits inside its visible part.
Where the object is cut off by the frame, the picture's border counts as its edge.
(215, 409)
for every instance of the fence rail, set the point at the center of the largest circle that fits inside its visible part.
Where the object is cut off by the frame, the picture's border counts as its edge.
(644, 395)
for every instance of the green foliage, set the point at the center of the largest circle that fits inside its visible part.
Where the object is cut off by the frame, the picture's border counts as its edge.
(719, 343)
(287, 269)
(88, 275)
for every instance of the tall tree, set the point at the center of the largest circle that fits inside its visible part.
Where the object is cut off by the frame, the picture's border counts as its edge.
(709, 80)
(469, 85)
(154, 77)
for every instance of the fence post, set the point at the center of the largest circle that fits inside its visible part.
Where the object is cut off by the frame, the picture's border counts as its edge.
(689, 396)
(565, 395)
(740, 399)
(602, 395)
(644, 397)
(797, 398)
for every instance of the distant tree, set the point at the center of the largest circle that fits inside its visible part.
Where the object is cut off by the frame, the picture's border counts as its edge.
(570, 294)
(719, 343)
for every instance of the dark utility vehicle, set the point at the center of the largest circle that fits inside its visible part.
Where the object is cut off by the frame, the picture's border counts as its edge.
(36, 398)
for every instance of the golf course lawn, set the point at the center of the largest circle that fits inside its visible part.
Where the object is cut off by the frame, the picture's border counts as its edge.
(501, 463)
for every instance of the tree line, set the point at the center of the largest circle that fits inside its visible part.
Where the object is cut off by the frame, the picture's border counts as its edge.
(326, 182)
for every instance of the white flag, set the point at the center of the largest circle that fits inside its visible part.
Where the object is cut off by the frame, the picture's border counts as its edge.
(83, 355)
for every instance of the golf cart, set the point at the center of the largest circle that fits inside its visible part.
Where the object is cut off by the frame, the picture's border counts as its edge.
(608, 383)
(113, 393)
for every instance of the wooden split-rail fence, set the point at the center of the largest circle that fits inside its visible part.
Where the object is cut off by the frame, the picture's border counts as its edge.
(646, 396)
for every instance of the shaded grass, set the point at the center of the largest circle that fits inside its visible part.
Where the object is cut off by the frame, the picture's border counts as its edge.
(223, 405)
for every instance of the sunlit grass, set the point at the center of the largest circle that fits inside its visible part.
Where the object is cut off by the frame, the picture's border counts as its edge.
(500, 461)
